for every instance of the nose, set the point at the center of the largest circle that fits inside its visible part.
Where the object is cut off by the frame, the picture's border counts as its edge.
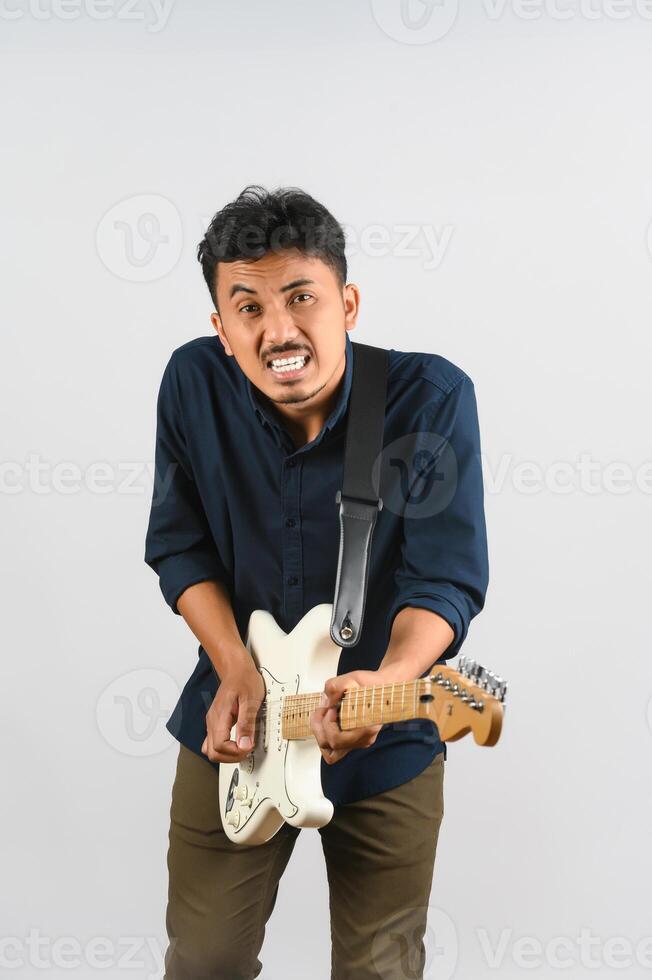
(280, 329)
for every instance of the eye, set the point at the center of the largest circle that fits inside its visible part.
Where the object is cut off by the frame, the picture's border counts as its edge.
(299, 295)
(246, 307)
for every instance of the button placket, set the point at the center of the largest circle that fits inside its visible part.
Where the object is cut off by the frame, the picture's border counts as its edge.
(292, 559)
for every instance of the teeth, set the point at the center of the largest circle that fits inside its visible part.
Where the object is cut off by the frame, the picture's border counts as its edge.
(283, 365)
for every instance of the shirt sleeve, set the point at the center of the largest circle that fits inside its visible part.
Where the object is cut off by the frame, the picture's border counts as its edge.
(444, 559)
(179, 545)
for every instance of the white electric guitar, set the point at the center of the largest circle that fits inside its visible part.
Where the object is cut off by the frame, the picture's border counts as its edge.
(280, 779)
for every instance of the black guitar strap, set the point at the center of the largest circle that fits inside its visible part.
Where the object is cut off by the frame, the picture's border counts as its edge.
(359, 498)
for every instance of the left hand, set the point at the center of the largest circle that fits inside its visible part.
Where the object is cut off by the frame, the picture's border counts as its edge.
(333, 742)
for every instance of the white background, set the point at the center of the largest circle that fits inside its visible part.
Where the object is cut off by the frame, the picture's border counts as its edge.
(520, 138)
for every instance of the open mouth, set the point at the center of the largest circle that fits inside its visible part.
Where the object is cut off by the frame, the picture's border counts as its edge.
(289, 368)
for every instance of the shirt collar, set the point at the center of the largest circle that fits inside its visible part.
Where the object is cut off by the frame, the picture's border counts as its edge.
(265, 417)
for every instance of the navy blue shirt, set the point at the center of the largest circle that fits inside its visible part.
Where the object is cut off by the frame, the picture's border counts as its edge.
(235, 500)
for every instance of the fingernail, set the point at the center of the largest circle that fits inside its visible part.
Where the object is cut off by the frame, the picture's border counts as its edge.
(323, 700)
(244, 742)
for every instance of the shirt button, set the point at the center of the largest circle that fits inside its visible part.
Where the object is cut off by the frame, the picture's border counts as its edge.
(291, 462)
(290, 522)
(292, 580)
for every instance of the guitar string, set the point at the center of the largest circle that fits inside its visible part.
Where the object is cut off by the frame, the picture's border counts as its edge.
(301, 701)
(402, 688)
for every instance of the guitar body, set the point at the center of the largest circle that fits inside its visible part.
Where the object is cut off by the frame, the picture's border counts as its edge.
(280, 780)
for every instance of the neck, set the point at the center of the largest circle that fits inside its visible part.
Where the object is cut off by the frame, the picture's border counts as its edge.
(379, 704)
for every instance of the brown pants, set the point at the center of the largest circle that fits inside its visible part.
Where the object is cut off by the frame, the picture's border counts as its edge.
(379, 853)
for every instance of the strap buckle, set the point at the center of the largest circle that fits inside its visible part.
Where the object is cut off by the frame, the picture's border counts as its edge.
(373, 505)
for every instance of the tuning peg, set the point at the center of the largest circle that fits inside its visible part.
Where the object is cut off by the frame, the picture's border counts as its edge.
(480, 677)
(501, 690)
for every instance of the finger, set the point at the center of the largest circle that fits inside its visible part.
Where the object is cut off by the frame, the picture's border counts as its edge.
(316, 719)
(220, 721)
(222, 752)
(220, 743)
(337, 745)
(353, 738)
(330, 754)
(246, 724)
(334, 690)
(332, 729)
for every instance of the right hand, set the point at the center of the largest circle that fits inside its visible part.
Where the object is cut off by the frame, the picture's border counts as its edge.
(237, 702)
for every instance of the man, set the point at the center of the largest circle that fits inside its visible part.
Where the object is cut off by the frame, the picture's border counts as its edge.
(250, 439)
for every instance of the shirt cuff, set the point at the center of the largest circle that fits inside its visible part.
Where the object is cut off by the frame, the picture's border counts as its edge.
(443, 607)
(178, 572)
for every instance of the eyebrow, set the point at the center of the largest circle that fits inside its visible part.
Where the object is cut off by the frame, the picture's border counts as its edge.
(240, 287)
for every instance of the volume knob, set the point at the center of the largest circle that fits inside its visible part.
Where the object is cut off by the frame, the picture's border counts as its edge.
(241, 792)
(233, 817)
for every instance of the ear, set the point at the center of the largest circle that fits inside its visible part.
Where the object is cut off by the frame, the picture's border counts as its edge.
(351, 300)
(217, 323)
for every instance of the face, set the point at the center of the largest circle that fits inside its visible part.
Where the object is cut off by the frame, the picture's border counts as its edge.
(286, 306)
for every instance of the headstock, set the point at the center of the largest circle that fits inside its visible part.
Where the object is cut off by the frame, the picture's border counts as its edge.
(470, 698)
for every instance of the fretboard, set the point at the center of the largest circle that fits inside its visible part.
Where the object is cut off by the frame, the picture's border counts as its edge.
(376, 705)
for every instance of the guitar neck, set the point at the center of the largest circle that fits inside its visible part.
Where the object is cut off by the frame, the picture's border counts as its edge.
(378, 704)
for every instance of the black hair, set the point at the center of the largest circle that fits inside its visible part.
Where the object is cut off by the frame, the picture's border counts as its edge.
(260, 221)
